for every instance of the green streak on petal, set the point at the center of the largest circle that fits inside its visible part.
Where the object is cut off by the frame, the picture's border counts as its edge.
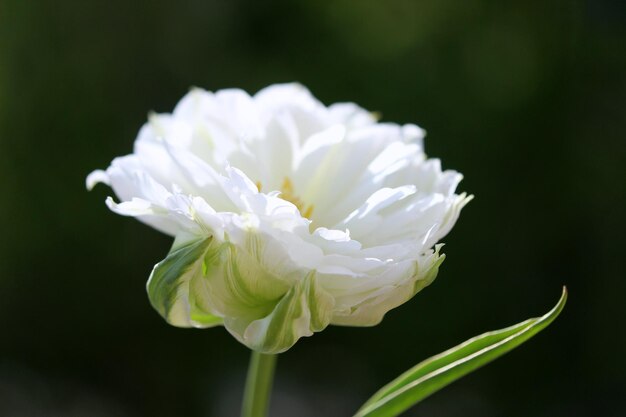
(168, 285)
(319, 302)
(306, 308)
(238, 285)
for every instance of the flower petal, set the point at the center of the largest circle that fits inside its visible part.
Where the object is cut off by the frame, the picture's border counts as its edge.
(95, 177)
(306, 308)
(169, 285)
(375, 304)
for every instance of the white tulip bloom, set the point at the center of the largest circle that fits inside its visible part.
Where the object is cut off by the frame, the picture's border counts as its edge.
(287, 215)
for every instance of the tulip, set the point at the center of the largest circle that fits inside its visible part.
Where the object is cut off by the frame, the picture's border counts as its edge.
(287, 215)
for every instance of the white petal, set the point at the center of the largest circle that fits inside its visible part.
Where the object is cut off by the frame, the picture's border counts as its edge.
(97, 176)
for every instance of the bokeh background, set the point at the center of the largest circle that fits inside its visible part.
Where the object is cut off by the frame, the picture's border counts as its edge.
(526, 98)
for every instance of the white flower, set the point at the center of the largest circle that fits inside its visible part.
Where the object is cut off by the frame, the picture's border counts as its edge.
(287, 215)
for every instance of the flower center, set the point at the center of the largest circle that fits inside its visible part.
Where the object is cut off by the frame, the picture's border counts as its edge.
(287, 193)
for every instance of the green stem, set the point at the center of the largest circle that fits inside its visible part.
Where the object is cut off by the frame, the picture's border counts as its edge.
(256, 397)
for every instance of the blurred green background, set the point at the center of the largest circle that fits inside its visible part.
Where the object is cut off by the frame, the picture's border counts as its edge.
(526, 98)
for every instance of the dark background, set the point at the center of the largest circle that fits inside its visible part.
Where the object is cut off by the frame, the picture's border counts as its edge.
(526, 98)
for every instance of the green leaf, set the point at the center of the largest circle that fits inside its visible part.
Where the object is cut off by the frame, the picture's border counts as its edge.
(438, 371)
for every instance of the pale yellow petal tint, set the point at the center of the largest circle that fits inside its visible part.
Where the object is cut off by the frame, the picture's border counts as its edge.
(288, 193)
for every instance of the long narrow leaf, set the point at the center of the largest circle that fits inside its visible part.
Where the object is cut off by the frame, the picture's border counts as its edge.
(438, 371)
